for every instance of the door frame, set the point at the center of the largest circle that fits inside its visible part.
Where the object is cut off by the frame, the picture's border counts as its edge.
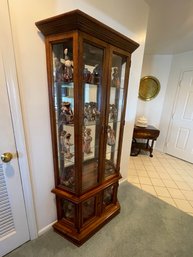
(9, 64)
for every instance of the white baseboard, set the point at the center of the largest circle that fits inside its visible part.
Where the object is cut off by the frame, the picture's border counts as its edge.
(122, 180)
(46, 228)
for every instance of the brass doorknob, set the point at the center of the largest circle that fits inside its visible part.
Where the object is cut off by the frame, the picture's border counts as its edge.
(6, 157)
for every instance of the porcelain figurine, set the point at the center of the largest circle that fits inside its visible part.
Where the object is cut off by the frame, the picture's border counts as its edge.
(66, 144)
(116, 78)
(67, 68)
(112, 112)
(91, 112)
(110, 136)
(87, 139)
(66, 115)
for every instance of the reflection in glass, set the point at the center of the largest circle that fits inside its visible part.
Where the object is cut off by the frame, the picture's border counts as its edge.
(68, 210)
(92, 77)
(108, 196)
(88, 209)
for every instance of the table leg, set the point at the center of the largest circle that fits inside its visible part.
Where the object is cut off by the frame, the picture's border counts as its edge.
(151, 148)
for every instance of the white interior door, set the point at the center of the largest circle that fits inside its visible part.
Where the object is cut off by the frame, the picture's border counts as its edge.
(13, 221)
(180, 136)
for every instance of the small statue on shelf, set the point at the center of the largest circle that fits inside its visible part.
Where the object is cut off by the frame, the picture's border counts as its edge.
(87, 112)
(110, 136)
(87, 139)
(95, 112)
(66, 115)
(116, 77)
(67, 67)
(66, 144)
(91, 112)
(112, 112)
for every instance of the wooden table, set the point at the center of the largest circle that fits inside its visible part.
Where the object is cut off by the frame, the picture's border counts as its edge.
(143, 139)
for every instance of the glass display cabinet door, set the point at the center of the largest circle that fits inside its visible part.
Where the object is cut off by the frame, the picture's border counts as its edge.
(63, 99)
(92, 113)
(116, 103)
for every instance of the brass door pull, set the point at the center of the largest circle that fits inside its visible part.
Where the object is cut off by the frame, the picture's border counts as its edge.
(6, 157)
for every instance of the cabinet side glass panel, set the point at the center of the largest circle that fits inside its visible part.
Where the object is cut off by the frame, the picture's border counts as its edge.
(108, 196)
(68, 210)
(63, 97)
(88, 209)
(92, 79)
(115, 111)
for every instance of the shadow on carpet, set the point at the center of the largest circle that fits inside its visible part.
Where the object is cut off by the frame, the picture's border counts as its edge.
(146, 227)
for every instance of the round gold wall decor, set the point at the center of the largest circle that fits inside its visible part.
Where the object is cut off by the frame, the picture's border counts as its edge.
(149, 88)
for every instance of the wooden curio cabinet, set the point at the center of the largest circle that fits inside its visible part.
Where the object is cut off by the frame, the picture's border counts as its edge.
(88, 70)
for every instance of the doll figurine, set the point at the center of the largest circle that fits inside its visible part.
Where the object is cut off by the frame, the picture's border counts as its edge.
(91, 112)
(67, 68)
(110, 136)
(112, 112)
(87, 112)
(67, 145)
(66, 115)
(116, 79)
(87, 140)
(94, 111)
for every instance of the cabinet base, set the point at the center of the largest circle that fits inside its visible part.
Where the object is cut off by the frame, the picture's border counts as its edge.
(80, 238)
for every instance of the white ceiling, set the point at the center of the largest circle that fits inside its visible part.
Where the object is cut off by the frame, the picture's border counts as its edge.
(170, 26)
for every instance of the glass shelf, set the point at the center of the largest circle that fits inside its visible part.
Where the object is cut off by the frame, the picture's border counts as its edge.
(91, 123)
(91, 85)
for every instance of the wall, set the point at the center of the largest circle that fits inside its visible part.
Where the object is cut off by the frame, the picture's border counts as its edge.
(180, 62)
(159, 67)
(31, 67)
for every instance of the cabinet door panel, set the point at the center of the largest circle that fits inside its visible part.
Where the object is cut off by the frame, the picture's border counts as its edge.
(93, 61)
(115, 111)
(63, 98)
(88, 210)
